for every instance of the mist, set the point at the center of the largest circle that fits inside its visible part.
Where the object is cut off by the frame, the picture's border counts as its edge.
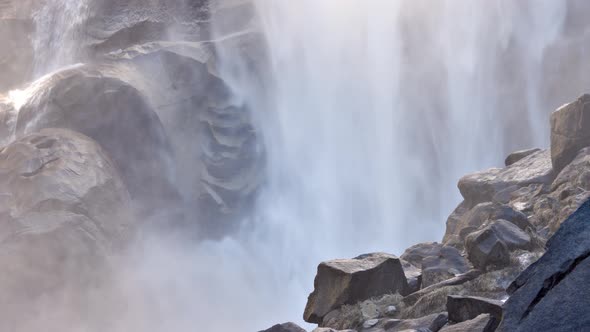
(357, 119)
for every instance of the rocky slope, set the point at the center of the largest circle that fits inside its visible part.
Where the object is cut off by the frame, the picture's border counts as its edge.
(480, 278)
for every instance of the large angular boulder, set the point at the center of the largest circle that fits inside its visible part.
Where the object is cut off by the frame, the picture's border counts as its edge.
(570, 133)
(463, 308)
(64, 211)
(551, 294)
(114, 114)
(482, 186)
(348, 281)
(481, 323)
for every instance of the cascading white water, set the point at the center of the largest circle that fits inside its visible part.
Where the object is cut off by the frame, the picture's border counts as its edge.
(373, 111)
(59, 29)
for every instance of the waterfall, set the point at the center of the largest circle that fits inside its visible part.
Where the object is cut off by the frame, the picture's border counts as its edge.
(58, 38)
(372, 111)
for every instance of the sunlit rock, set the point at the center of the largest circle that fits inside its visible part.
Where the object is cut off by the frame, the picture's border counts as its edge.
(483, 186)
(347, 281)
(570, 131)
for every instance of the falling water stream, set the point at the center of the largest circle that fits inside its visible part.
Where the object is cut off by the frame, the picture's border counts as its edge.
(59, 25)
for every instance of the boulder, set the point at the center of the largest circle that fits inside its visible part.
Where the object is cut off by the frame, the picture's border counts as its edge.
(416, 253)
(477, 218)
(483, 186)
(481, 323)
(64, 212)
(348, 281)
(285, 327)
(518, 155)
(463, 308)
(437, 262)
(550, 295)
(487, 248)
(114, 114)
(570, 125)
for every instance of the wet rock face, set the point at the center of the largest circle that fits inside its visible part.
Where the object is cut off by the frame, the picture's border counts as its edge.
(348, 281)
(432, 322)
(114, 114)
(549, 294)
(569, 131)
(64, 211)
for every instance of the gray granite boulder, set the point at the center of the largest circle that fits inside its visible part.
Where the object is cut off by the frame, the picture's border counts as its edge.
(348, 281)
